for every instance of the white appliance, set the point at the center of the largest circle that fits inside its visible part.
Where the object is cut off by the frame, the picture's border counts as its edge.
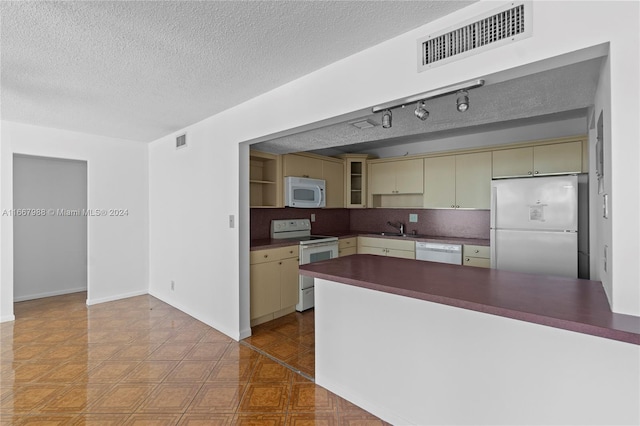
(439, 252)
(534, 225)
(313, 248)
(304, 192)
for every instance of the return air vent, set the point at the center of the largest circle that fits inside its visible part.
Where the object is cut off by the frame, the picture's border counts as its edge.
(501, 26)
(181, 141)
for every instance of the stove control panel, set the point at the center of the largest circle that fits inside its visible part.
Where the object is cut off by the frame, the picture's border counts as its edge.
(288, 225)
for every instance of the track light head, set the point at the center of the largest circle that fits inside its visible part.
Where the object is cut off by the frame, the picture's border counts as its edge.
(462, 101)
(386, 119)
(421, 112)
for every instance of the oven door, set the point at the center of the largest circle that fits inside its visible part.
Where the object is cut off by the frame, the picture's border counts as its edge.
(315, 252)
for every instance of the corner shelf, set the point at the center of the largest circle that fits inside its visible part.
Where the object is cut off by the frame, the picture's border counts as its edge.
(265, 180)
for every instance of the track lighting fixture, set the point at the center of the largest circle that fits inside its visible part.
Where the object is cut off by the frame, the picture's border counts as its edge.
(462, 101)
(421, 112)
(386, 119)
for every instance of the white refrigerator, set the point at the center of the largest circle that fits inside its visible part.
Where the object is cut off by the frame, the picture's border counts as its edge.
(534, 225)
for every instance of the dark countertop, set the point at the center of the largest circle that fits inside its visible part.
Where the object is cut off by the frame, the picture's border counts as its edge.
(570, 304)
(268, 243)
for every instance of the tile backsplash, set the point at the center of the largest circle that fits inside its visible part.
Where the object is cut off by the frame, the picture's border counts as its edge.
(328, 221)
(437, 223)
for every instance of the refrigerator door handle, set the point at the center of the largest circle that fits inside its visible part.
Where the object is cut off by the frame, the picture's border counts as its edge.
(492, 249)
(494, 204)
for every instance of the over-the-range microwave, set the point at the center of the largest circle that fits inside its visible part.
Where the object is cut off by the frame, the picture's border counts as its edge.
(304, 192)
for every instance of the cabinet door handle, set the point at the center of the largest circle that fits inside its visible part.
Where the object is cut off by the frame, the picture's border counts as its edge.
(467, 259)
(477, 251)
(452, 206)
(529, 173)
(279, 263)
(536, 172)
(457, 207)
(266, 255)
(290, 251)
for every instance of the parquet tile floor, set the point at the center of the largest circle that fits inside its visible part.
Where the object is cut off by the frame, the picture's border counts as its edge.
(290, 339)
(139, 361)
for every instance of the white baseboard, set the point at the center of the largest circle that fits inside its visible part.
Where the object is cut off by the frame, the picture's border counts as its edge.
(245, 333)
(115, 297)
(48, 294)
(234, 335)
(8, 318)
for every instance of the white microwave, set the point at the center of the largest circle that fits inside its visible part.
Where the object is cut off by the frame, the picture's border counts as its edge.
(304, 192)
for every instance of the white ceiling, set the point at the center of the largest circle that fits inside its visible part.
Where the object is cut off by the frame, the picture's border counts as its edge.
(141, 70)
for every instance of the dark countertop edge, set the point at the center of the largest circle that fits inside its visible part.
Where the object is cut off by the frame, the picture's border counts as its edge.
(583, 328)
(268, 243)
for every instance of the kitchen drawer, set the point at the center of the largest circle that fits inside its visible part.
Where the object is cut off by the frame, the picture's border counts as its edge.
(348, 251)
(479, 262)
(271, 255)
(388, 243)
(476, 251)
(344, 243)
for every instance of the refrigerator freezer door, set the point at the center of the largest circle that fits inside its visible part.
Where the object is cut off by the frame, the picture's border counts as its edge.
(546, 203)
(536, 252)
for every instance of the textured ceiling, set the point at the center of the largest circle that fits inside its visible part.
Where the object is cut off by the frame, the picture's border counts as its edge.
(559, 93)
(141, 70)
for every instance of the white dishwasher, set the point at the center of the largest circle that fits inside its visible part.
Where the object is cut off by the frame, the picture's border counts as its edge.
(439, 252)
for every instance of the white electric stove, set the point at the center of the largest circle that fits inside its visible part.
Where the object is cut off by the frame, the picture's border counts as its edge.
(313, 248)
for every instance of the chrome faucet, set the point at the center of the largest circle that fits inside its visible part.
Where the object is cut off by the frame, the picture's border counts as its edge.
(399, 226)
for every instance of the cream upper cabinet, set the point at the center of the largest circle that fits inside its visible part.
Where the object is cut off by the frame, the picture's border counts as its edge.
(473, 181)
(440, 182)
(397, 177)
(458, 181)
(302, 166)
(538, 160)
(557, 158)
(333, 174)
(318, 167)
(355, 175)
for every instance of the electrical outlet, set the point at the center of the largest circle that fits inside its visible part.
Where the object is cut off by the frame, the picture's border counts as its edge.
(313, 217)
(232, 221)
(173, 285)
(413, 217)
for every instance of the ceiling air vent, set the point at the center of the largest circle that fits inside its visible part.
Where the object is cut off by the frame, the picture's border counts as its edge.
(181, 141)
(507, 24)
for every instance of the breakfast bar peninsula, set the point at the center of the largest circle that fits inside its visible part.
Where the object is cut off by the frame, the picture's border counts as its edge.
(429, 343)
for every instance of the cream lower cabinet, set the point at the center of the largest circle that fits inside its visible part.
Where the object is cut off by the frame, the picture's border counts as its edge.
(347, 246)
(387, 247)
(539, 160)
(273, 283)
(458, 181)
(478, 256)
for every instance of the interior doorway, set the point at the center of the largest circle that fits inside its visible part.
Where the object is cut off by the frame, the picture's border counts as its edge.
(49, 226)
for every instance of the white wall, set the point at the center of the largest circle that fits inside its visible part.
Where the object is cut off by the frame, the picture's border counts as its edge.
(410, 361)
(201, 253)
(117, 179)
(49, 247)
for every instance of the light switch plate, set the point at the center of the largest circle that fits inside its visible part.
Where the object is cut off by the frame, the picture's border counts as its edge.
(413, 217)
(313, 217)
(232, 221)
